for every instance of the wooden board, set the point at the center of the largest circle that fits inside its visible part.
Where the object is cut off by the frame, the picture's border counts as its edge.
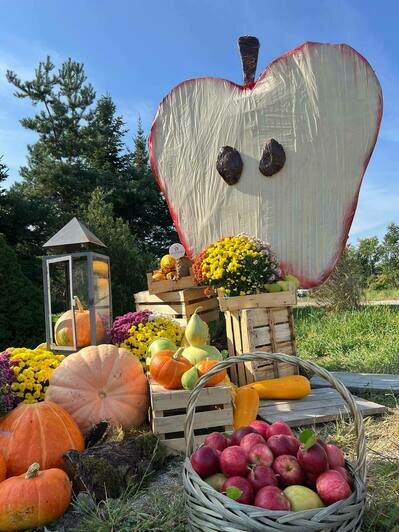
(362, 381)
(266, 300)
(320, 406)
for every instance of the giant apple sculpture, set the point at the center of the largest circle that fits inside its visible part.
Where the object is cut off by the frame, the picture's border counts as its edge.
(322, 104)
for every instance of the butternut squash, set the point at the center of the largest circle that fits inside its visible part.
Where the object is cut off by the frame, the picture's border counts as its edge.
(246, 406)
(291, 387)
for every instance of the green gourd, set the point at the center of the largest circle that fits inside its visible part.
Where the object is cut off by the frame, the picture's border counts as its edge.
(195, 354)
(190, 378)
(196, 332)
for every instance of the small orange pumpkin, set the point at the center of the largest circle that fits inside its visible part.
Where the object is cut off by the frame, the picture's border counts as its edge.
(63, 329)
(167, 368)
(40, 432)
(206, 365)
(3, 468)
(102, 382)
(33, 499)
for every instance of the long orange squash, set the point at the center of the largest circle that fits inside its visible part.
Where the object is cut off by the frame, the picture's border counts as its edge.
(291, 387)
(246, 406)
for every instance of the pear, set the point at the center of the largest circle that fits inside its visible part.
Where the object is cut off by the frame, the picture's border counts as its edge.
(302, 498)
(190, 378)
(273, 287)
(285, 285)
(195, 354)
(292, 280)
(197, 332)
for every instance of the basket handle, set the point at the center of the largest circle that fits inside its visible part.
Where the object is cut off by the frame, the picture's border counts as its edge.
(360, 464)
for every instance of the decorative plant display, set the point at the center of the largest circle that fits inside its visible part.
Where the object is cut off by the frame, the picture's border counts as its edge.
(63, 329)
(269, 467)
(239, 265)
(32, 369)
(135, 331)
(101, 383)
(8, 397)
(40, 432)
(34, 498)
(266, 157)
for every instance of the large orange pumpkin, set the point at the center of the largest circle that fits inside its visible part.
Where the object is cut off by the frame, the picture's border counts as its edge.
(167, 368)
(63, 329)
(206, 365)
(40, 432)
(33, 499)
(3, 467)
(98, 383)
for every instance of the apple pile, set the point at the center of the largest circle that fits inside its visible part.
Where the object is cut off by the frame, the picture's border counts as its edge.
(269, 467)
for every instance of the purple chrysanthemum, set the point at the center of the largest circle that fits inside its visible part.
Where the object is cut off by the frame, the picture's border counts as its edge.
(8, 398)
(122, 324)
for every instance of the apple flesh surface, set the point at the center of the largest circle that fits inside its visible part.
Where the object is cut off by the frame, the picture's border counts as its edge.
(238, 434)
(302, 498)
(272, 498)
(288, 470)
(283, 444)
(261, 476)
(205, 462)
(216, 440)
(250, 440)
(313, 98)
(244, 485)
(261, 454)
(216, 481)
(233, 462)
(279, 427)
(313, 460)
(335, 456)
(332, 487)
(260, 426)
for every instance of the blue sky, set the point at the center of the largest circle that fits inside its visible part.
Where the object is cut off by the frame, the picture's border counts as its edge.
(137, 51)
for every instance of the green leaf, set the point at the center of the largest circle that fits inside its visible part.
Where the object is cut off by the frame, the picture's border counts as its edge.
(233, 492)
(308, 438)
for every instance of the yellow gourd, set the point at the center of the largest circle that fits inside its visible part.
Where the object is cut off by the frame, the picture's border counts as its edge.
(291, 387)
(246, 406)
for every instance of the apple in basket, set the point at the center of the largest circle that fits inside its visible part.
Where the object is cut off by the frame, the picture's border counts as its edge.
(261, 476)
(288, 470)
(283, 444)
(279, 427)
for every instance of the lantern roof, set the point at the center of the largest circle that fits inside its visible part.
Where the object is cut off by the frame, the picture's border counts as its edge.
(73, 236)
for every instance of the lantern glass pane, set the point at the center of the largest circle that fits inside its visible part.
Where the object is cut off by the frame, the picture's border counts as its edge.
(60, 303)
(101, 290)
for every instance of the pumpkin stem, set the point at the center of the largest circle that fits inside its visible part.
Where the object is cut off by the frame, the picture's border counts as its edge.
(78, 303)
(33, 471)
(178, 353)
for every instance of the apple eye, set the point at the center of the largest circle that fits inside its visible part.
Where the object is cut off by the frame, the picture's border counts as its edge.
(229, 164)
(273, 158)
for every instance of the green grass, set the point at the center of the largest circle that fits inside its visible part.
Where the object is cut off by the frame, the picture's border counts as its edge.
(364, 340)
(381, 295)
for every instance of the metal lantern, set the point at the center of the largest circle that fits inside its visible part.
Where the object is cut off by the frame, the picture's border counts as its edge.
(77, 290)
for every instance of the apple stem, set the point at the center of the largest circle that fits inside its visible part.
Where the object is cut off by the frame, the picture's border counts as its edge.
(249, 49)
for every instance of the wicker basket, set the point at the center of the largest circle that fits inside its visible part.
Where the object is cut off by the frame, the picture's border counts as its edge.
(209, 510)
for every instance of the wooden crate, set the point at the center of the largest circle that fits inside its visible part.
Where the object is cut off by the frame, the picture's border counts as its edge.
(214, 412)
(159, 287)
(181, 304)
(262, 328)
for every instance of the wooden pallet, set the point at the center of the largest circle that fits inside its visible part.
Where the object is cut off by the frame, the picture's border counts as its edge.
(180, 304)
(372, 382)
(320, 406)
(214, 412)
(266, 300)
(159, 287)
(260, 329)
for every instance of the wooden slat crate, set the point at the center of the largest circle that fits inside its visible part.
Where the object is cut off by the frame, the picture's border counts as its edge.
(214, 412)
(181, 304)
(269, 329)
(159, 287)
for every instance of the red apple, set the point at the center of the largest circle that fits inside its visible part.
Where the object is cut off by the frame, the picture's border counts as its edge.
(345, 473)
(279, 427)
(283, 444)
(311, 479)
(261, 454)
(313, 460)
(238, 434)
(335, 456)
(332, 487)
(216, 440)
(288, 470)
(261, 476)
(272, 498)
(260, 426)
(233, 462)
(205, 462)
(242, 484)
(250, 440)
